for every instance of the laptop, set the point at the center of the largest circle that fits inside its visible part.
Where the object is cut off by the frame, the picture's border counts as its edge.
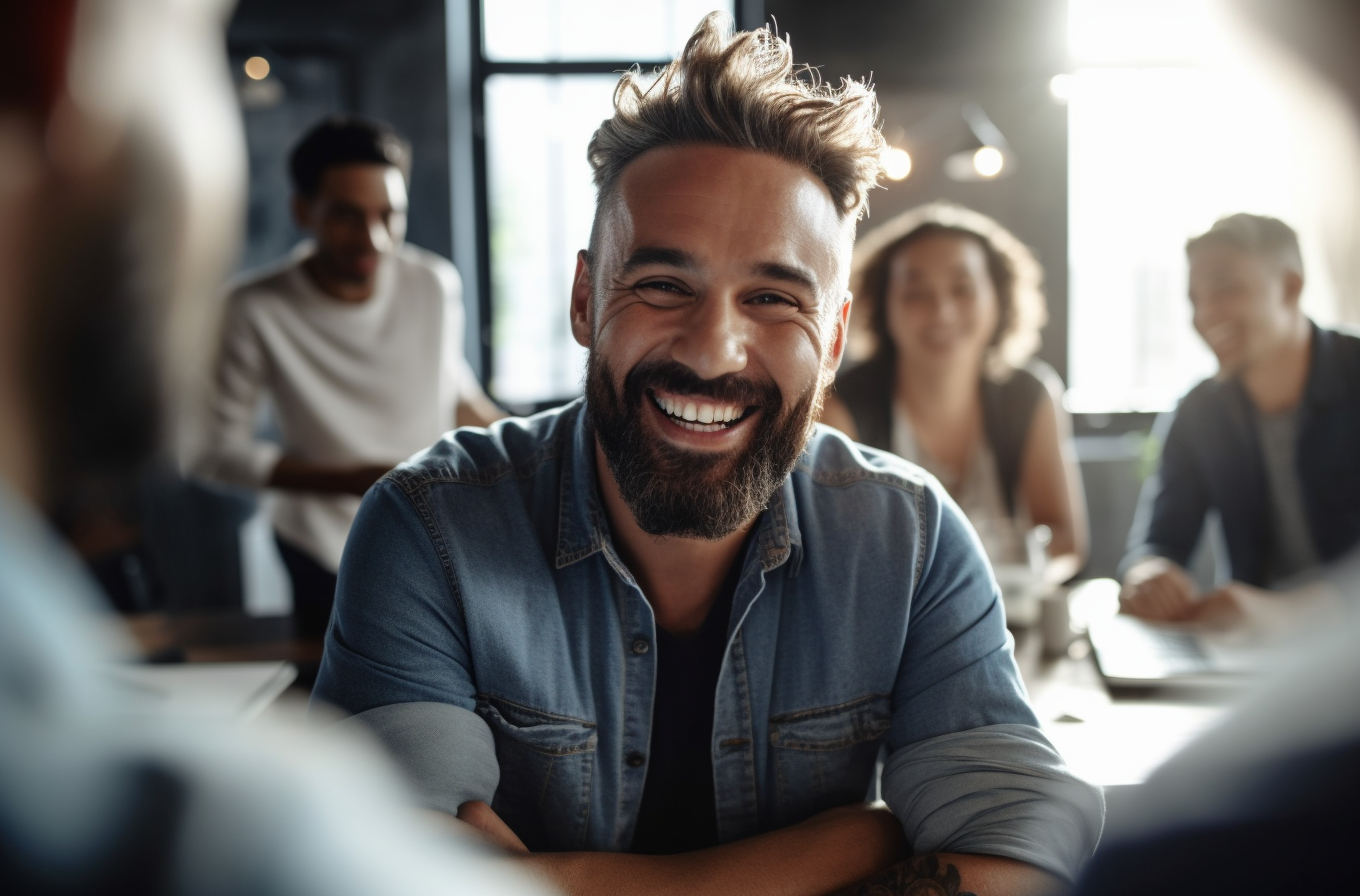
(1132, 652)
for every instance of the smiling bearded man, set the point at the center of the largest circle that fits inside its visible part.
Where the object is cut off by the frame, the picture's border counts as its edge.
(657, 640)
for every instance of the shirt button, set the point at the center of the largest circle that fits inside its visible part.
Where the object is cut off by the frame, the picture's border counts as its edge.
(640, 646)
(635, 760)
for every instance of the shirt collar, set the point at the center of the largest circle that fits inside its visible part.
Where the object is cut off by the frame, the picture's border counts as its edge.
(583, 527)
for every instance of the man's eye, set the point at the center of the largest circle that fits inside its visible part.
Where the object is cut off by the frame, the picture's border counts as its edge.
(773, 300)
(662, 292)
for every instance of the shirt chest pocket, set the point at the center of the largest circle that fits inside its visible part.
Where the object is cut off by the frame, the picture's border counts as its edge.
(825, 757)
(546, 763)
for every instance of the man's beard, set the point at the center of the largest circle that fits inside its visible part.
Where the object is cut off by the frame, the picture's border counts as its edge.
(694, 494)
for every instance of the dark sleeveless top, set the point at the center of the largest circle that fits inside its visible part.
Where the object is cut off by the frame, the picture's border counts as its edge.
(1007, 412)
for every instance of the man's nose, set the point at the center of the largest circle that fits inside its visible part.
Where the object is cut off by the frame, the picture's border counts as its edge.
(713, 342)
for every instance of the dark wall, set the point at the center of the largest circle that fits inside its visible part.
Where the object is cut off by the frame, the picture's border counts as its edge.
(385, 60)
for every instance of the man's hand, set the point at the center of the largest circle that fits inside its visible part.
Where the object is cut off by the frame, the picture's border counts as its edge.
(1156, 588)
(486, 822)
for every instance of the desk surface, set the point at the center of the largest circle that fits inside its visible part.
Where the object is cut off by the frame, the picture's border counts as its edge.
(1115, 739)
(223, 636)
(1112, 738)
(233, 637)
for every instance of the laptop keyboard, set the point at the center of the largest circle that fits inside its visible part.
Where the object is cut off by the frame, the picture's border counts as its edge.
(1179, 650)
(1130, 648)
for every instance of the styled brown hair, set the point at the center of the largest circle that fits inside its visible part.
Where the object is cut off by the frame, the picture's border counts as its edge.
(743, 91)
(1016, 276)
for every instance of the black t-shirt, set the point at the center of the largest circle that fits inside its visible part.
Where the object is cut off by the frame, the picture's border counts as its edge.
(679, 811)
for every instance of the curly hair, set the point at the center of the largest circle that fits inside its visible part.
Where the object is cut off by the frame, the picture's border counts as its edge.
(1015, 272)
(743, 91)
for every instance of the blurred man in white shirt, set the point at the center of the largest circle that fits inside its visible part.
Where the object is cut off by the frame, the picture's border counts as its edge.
(356, 340)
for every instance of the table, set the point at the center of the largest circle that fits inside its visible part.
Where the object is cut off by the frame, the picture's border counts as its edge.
(1116, 739)
(222, 636)
(233, 637)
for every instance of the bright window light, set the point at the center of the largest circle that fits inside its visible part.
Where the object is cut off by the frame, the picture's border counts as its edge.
(1156, 155)
(1060, 87)
(1129, 32)
(542, 201)
(575, 30)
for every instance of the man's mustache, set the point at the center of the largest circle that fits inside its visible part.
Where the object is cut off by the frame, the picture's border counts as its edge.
(672, 376)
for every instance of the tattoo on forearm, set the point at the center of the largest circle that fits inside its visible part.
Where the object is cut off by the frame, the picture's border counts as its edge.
(917, 876)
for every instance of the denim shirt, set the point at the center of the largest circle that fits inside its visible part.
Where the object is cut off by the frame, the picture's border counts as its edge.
(480, 591)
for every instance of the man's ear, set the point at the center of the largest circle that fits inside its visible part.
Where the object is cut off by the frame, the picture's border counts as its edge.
(1293, 288)
(841, 333)
(302, 212)
(583, 301)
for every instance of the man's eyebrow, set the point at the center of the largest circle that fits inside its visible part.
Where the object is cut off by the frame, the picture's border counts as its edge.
(786, 273)
(647, 255)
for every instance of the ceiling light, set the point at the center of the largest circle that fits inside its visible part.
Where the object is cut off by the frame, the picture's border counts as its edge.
(896, 163)
(988, 162)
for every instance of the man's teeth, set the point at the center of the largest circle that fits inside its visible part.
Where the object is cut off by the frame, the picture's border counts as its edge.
(699, 412)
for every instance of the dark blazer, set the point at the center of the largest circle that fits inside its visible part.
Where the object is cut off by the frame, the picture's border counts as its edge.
(1007, 411)
(1212, 458)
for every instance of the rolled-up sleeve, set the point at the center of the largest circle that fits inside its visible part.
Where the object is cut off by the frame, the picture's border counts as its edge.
(397, 658)
(968, 769)
(446, 754)
(1000, 790)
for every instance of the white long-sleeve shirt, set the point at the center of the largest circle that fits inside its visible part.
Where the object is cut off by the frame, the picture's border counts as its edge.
(350, 384)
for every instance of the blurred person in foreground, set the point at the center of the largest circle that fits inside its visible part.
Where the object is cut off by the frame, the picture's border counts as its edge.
(355, 339)
(1272, 442)
(678, 619)
(954, 307)
(120, 180)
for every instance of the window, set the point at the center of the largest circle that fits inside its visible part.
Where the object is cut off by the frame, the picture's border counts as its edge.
(541, 201)
(1169, 129)
(546, 71)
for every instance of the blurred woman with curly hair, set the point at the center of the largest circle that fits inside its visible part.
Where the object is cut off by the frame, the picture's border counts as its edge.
(954, 308)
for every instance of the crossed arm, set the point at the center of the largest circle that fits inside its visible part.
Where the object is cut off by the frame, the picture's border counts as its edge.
(850, 850)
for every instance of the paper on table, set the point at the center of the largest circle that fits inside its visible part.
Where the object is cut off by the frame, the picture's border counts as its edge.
(200, 690)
